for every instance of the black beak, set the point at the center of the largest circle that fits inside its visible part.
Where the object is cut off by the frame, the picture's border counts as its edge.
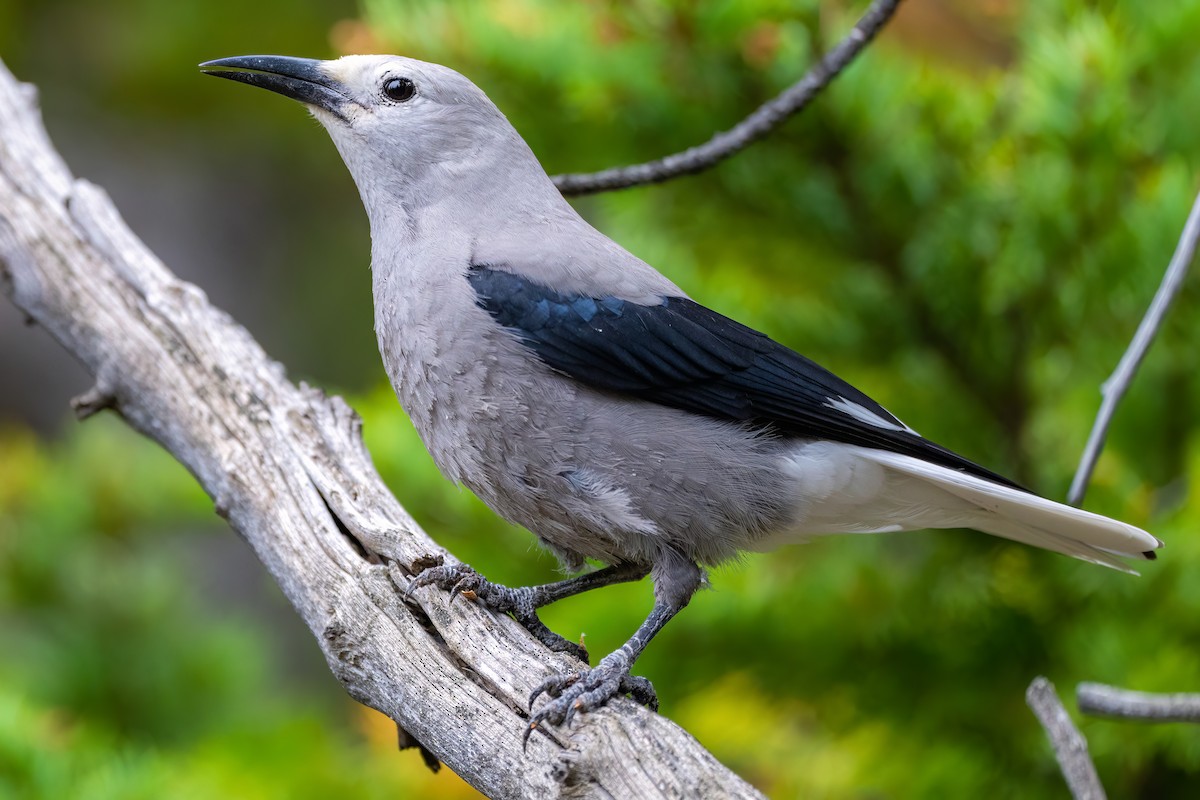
(298, 78)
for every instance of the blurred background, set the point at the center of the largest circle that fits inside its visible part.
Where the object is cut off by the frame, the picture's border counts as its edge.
(968, 225)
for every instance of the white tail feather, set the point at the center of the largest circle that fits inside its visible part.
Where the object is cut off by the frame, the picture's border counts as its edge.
(1013, 514)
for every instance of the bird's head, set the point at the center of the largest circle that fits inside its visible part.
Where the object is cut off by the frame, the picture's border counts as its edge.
(395, 120)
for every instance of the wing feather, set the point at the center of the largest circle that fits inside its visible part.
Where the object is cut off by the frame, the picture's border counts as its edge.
(683, 355)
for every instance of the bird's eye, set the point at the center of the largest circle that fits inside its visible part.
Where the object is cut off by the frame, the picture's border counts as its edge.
(400, 89)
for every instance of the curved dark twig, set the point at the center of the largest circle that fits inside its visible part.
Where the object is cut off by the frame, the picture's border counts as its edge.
(765, 118)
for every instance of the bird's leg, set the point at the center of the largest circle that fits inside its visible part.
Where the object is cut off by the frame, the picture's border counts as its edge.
(676, 579)
(523, 601)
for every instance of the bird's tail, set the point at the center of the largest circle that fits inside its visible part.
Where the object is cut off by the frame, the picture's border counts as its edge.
(1018, 515)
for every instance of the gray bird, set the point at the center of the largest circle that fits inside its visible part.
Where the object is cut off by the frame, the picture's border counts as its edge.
(584, 396)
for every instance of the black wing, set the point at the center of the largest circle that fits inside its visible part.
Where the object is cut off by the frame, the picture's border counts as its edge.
(681, 354)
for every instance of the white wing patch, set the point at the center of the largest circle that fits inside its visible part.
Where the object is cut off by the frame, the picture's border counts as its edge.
(864, 414)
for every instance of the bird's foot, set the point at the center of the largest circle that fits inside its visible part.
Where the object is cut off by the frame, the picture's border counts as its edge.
(462, 580)
(587, 690)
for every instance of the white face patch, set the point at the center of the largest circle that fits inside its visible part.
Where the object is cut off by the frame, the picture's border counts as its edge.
(863, 414)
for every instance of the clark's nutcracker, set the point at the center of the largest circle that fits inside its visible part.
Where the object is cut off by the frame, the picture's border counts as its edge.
(582, 395)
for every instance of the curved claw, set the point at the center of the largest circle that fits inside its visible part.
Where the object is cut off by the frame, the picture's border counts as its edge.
(533, 726)
(472, 582)
(553, 686)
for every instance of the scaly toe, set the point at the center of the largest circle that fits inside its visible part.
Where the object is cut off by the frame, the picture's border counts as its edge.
(588, 690)
(471, 586)
(553, 686)
(444, 576)
(641, 690)
(463, 581)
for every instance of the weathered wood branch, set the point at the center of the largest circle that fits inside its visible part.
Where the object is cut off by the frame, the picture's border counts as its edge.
(1110, 701)
(287, 467)
(1070, 748)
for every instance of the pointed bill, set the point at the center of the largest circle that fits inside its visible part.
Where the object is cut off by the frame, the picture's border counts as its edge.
(302, 79)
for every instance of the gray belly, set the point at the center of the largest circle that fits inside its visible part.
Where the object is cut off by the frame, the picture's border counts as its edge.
(596, 476)
(592, 475)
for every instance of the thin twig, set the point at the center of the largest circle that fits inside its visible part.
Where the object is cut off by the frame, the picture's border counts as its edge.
(1070, 748)
(764, 119)
(1115, 387)
(1109, 701)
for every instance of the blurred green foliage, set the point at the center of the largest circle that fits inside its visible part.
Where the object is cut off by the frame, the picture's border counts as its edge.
(970, 233)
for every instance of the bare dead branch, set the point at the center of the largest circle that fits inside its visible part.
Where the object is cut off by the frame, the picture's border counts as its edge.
(287, 467)
(1118, 383)
(762, 121)
(1070, 748)
(1098, 699)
